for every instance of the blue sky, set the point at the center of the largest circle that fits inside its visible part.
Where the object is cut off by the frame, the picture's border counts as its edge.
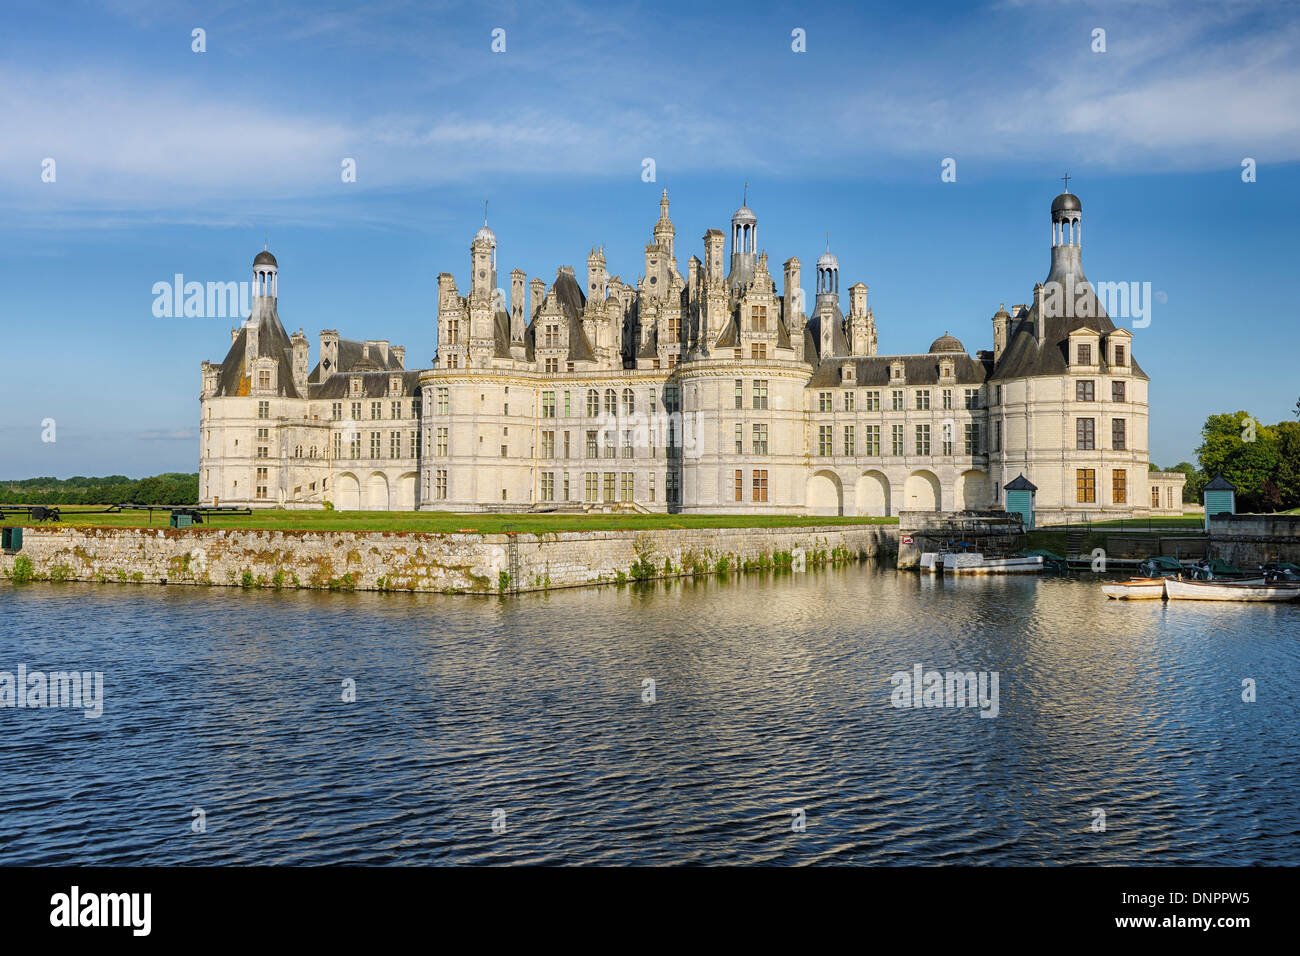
(173, 161)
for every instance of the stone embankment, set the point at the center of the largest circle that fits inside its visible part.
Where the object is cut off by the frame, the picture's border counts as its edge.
(418, 561)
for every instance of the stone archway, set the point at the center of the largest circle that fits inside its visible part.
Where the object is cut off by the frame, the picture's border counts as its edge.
(377, 492)
(347, 492)
(922, 492)
(872, 494)
(405, 499)
(825, 496)
(974, 491)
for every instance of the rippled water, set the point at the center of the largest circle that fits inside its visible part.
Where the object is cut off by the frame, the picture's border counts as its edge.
(772, 695)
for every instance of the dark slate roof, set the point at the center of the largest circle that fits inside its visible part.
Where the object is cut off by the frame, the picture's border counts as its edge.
(351, 359)
(264, 257)
(1220, 484)
(839, 342)
(573, 303)
(917, 370)
(1024, 357)
(373, 385)
(946, 343)
(272, 341)
(1020, 484)
(1067, 202)
(730, 336)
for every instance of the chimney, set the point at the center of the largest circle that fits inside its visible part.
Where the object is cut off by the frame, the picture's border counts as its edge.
(329, 353)
(299, 364)
(399, 353)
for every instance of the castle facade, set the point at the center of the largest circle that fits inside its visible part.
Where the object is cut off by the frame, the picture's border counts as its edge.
(708, 391)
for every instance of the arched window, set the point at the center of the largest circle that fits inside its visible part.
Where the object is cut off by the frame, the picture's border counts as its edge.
(593, 403)
(629, 402)
(611, 402)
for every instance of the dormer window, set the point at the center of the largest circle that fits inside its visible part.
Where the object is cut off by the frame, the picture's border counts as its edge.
(1085, 353)
(264, 378)
(1121, 359)
(848, 372)
(896, 371)
(946, 369)
(395, 385)
(355, 383)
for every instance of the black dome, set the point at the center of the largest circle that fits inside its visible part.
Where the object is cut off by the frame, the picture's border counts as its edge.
(1066, 202)
(265, 258)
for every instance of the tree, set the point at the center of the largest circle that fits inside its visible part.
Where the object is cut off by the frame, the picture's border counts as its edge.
(1287, 477)
(1243, 451)
(1196, 481)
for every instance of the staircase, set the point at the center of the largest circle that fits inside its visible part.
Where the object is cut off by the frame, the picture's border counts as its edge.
(1074, 542)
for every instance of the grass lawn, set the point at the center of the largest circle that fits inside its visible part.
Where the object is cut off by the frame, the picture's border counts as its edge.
(441, 521)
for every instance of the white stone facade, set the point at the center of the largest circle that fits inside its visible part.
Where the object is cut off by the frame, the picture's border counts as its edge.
(708, 392)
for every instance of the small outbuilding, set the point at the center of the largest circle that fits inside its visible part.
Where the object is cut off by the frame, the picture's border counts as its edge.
(1220, 497)
(1020, 499)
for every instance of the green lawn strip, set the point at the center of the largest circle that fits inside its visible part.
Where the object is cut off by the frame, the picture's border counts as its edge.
(444, 522)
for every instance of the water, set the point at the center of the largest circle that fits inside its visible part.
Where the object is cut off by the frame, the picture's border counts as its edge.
(772, 695)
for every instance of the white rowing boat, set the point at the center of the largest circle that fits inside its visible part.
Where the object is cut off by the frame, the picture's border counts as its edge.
(972, 562)
(1229, 591)
(1136, 589)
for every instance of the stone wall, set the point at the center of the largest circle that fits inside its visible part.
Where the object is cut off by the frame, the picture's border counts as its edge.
(416, 561)
(1248, 541)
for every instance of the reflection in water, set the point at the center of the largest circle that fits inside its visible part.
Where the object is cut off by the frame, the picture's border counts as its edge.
(773, 695)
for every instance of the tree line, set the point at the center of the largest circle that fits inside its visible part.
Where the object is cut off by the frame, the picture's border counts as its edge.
(1263, 461)
(172, 488)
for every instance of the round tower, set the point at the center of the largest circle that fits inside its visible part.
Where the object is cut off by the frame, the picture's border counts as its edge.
(265, 271)
(1067, 236)
(744, 245)
(483, 259)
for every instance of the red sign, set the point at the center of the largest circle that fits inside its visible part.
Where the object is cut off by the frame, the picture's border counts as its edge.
(906, 539)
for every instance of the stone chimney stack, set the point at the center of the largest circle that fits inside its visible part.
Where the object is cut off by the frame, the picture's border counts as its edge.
(300, 359)
(329, 353)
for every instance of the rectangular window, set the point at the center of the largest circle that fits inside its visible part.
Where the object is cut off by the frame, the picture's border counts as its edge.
(1117, 392)
(760, 393)
(548, 404)
(611, 449)
(338, 446)
(627, 486)
(1120, 358)
(1085, 484)
(593, 403)
(896, 399)
(356, 411)
(1083, 390)
(592, 450)
(947, 398)
(548, 486)
(922, 399)
(848, 401)
(997, 436)
(848, 440)
(972, 398)
(923, 439)
(896, 439)
(548, 444)
(264, 379)
(395, 409)
(441, 447)
(263, 409)
(760, 439)
(758, 352)
(440, 485)
(552, 366)
(591, 487)
(758, 318)
(444, 401)
(873, 401)
(394, 444)
(1119, 487)
(760, 484)
(673, 488)
(1118, 434)
(1085, 354)
(568, 405)
(376, 443)
(972, 439)
(611, 485)
(652, 486)
(1085, 434)
(415, 443)
(824, 441)
(740, 439)
(1155, 497)
(740, 393)
(336, 411)
(376, 411)
(627, 444)
(871, 440)
(356, 445)
(825, 401)
(739, 485)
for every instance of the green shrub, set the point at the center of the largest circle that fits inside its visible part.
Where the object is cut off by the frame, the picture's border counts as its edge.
(22, 572)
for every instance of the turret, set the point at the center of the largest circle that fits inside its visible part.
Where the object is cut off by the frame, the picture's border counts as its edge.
(1001, 330)
(329, 353)
(744, 245)
(300, 350)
